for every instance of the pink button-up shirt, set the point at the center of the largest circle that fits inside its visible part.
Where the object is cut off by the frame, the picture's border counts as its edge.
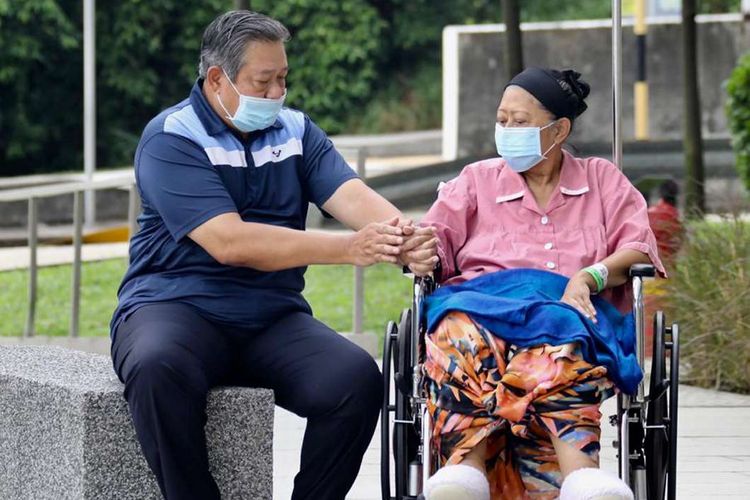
(487, 219)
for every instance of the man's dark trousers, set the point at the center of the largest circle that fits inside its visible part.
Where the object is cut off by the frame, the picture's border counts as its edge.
(168, 357)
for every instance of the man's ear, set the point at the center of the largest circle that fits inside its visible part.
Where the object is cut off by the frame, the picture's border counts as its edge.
(213, 78)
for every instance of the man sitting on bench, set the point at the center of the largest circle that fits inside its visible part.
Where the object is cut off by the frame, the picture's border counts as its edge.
(213, 294)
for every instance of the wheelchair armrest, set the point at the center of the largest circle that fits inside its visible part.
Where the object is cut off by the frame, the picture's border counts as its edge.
(426, 283)
(642, 271)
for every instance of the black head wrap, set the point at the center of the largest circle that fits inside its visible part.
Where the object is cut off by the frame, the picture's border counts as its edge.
(562, 93)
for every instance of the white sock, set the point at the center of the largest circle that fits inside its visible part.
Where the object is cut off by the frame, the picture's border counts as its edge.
(594, 484)
(457, 482)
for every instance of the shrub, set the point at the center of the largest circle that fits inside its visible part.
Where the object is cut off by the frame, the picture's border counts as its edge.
(409, 101)
(738, 114)
(708, 294)
(334, 55)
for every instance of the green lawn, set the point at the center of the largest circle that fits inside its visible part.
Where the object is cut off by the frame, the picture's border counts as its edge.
(329, 290)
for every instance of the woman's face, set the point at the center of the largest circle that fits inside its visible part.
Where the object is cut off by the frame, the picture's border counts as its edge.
(518, 108)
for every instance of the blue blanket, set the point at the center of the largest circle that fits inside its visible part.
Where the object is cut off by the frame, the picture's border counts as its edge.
(522, 306)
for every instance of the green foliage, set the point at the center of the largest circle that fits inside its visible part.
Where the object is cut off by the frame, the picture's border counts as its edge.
(99, 282)
(329, 291)
(542, 10)
(357, 66)
(718, 6)
(410, 100)
(147, 60)
(334, 55)
(738, 114)
(147, 53)
(708, 294)
(39, 42)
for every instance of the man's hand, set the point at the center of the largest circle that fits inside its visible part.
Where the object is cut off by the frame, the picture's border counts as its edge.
(376, 242)
(578, 294)
(419, 251)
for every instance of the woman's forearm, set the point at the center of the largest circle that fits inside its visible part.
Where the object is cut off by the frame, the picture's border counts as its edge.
(620, 262)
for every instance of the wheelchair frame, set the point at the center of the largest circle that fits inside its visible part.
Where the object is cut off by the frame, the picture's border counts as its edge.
(646, 422)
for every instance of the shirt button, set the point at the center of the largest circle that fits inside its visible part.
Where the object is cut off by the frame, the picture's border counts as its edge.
(550, 265)
(545, 219)
(548, 246)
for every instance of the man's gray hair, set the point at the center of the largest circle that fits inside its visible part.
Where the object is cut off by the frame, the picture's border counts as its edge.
(225, 39)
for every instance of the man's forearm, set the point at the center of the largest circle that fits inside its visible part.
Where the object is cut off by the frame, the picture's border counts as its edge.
(355, 205)
(250, 246)
(265, 247)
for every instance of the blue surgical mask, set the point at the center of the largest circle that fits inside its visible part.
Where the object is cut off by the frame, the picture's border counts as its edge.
(253, 113)
(521, 147)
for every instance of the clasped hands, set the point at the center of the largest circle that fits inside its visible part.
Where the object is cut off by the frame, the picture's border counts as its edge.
(397, 241)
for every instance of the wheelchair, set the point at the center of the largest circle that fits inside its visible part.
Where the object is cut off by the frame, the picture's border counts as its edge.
(646, 422)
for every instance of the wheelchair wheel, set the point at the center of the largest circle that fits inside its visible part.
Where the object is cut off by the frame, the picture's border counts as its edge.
(402, 367)
(397, 362)
(674, 386)
(661, 418)
(657, 416)
(391, 334)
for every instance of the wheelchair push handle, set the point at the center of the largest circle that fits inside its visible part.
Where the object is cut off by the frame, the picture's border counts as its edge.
(642, 271)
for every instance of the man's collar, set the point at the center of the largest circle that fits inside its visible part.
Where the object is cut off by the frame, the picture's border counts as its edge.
(206, 114)
(573, 180)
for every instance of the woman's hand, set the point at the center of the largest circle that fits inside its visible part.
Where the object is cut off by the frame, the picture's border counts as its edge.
(578, 294)
(419, 251)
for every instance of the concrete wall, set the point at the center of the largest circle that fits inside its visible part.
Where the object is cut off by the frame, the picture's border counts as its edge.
(474, 76)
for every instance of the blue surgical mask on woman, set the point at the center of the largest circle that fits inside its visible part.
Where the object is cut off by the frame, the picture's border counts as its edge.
(253, 113)
(521, 147)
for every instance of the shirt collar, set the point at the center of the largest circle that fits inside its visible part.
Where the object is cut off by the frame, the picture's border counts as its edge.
(573, 180)
(206, 114)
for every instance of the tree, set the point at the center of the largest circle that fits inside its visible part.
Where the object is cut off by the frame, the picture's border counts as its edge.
(513, 45)
(242, 4)
(693, 142)
(738, 114)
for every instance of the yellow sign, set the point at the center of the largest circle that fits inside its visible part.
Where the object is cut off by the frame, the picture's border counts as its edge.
(628, 8)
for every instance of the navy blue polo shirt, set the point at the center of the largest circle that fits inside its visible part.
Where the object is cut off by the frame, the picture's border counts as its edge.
(190, 167)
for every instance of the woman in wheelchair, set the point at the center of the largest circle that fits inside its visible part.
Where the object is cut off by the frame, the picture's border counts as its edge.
(515, 406)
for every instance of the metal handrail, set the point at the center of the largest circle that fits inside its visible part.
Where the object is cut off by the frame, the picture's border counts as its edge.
(358, 303)
(22, 194)
(32, 195)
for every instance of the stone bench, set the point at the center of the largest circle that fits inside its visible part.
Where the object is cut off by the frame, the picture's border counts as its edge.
(66, 432)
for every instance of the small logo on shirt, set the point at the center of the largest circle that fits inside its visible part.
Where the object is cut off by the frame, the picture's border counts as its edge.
(276, 153)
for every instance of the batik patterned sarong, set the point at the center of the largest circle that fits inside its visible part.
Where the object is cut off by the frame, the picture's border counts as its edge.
(481, 388)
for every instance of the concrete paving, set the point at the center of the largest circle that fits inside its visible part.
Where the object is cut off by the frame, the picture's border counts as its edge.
(713, 449)
(18, 257)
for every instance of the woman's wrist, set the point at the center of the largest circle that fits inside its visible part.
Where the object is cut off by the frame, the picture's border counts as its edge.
(589, 280)
(599, 274)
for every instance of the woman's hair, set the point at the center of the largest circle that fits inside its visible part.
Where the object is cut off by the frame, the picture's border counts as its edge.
(562, 93)
(575, 89)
